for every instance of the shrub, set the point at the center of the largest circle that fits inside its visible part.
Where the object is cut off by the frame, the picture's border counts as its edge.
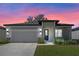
(40, 40)
(73, 42)
(69, 42)
(59, 40)
(4, 41)
(76, 40)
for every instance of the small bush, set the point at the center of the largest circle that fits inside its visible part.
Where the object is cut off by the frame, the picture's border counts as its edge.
(76, 41)
(73, 42)
(40, 40)
(59, 40)
(4, 41)
(70, 42)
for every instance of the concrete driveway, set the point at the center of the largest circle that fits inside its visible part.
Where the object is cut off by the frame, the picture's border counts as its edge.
(18, 49)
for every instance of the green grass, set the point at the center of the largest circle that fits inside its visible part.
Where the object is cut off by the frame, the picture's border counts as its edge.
(57, 50)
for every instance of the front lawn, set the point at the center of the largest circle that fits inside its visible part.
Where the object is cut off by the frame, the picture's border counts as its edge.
(57, 50)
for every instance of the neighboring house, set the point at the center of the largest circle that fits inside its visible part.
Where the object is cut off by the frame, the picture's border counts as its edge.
(75, 33)
(47, 29)
(2, 33)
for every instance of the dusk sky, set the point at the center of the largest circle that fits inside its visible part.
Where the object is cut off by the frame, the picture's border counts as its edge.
(18, 13)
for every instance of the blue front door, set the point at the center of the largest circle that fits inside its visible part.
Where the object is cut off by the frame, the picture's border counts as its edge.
(46, 34)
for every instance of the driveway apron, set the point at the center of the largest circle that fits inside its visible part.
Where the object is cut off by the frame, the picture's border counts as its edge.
(18, 49)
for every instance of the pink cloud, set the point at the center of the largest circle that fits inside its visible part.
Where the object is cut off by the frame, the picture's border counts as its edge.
(67, 17)
(21, 16)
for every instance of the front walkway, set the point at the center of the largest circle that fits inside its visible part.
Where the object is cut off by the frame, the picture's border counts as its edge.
(18, 49)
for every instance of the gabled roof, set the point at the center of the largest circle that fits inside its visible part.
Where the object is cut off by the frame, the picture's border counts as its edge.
(75, 29)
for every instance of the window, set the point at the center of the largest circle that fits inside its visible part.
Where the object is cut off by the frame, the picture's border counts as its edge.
(58, 33)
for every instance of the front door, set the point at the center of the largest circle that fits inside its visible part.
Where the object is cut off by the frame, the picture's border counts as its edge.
(46, 34)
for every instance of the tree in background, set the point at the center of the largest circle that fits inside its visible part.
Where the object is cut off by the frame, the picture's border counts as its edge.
(36, 18)
(30, 19)
(40, 17)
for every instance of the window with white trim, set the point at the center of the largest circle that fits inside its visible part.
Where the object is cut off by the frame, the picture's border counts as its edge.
(58, 33)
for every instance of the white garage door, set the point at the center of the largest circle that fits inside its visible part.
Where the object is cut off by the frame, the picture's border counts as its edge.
(22, 35)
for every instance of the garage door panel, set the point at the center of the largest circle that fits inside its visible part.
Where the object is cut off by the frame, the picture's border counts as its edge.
(24, 36)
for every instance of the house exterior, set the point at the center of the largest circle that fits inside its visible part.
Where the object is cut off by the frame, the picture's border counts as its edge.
(75, 33)
(2, 33)
(49, 30)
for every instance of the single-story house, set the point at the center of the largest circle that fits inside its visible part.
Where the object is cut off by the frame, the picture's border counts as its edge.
(75, 33)
(2, 33)
(49, 30)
